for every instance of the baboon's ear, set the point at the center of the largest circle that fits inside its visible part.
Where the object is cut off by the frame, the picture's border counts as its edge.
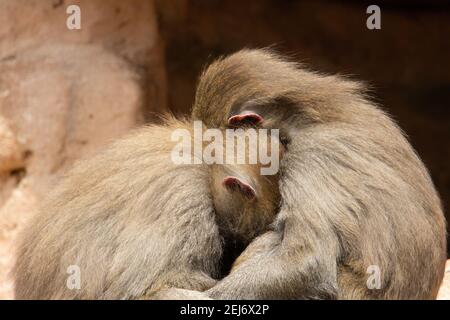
(234, 184)
(245, 118)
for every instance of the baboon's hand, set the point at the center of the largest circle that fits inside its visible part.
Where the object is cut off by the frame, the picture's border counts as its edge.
(269, 269)
(242, 282)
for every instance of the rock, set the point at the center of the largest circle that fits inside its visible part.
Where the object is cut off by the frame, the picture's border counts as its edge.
(21, 204)
(64, 107)
(444, 292)
(11, 156)
(127, 29)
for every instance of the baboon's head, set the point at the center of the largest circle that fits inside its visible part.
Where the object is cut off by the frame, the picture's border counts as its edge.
(261, 89)
(246, 196)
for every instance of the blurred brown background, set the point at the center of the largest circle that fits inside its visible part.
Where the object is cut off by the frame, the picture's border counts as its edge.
(64, 94)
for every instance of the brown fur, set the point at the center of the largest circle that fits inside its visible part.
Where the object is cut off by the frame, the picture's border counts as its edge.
(354, 192)
(134, 222)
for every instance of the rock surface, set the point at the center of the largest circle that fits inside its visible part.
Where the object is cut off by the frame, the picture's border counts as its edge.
(444, 292)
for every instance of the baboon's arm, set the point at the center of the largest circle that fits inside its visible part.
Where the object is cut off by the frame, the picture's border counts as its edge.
(271, 268)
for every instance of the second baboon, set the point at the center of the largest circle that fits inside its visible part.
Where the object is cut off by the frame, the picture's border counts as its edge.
(357, 202)
(129, 222)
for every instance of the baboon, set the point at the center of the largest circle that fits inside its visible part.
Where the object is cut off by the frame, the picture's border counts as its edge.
(356, 200)
(133, 222)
